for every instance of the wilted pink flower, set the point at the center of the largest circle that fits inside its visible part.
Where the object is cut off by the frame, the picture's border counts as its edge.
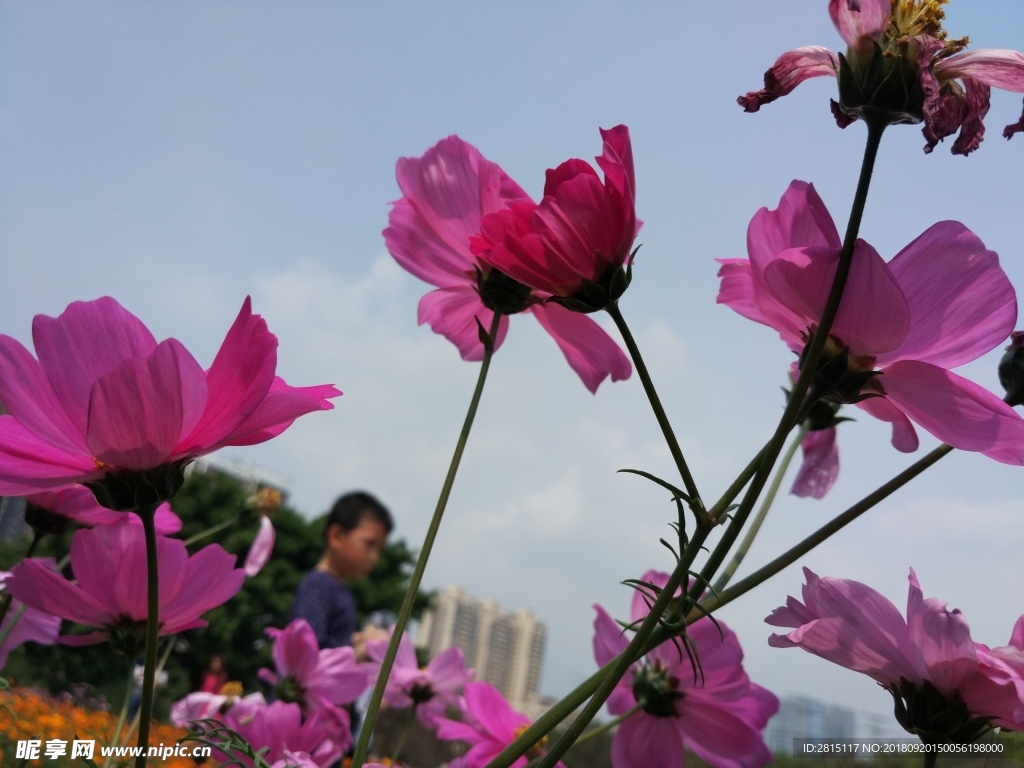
(78, 504)
(281, 728)
(431, 690)
(716, 712)
(928, 662)
(445, 195)
(580, 234)
(941, 302)
(489, 725)
(315, 678)
(109, 563)
(820, 467)
(30, 625)
(954, 84)
(105, 397)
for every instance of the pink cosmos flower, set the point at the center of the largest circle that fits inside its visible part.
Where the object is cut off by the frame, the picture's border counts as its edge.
(315, 678)
(582, 231)
(109, 563)
(431, 690)
(104, 396)
(955, 83)
(929, 658)
(30, 625)
(200, 705)
(718, 713)
(820, 467)
(446, 193)
(489, 726)
(79, 505)
(941, 302)
(281, 728)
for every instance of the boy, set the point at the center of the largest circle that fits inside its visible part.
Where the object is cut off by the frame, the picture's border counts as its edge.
(357, 529)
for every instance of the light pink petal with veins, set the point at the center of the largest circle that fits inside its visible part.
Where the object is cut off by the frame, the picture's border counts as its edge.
(29, 464)
(788, 71)
(855, 19)
(587, 348)
(37, 586)
(943, 639)
(454, 312)
(820, 466)
(648, 742)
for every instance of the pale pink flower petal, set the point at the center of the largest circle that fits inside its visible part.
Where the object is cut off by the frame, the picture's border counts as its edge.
(458, 314)
(904, 436)
(820, 466)
(261, 548)
(993, 67)
(855, 19)
(788, 71)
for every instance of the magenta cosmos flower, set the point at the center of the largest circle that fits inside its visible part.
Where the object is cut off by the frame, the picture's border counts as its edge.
(280, 727)
(489, 725)
(314, 678)
(105, 397)
(941, 302)
(29, 624)
(575, 242)
(445, 195)
(78, 505)
(717, 713)
(953, 85)
(109, 563)
(928, 662)
(431, 689)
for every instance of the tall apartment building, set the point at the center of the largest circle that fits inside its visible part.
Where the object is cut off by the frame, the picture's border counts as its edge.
(506, 648)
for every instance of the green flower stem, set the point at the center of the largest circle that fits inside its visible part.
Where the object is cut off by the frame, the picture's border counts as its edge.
(620, 665)
(841, 521)
(930, 758)
(123, 716)
(159, 670)
(762, 513)
(594, 732)
(212, 530)
(659, 411)
(721, 506)
(7, 598)
(148, 516)
(424, 555)
(791, 415)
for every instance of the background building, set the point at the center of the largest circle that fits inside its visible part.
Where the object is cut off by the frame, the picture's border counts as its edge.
(506, 648)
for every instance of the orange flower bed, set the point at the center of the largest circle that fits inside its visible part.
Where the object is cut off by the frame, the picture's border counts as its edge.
(27, 713)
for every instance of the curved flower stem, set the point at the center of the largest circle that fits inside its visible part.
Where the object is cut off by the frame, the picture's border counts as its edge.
(148, 516)
(619, 666)
(762, 513)
(7, 599)
(793, 554)
(659, 412)
(421, 561)
(791, 415)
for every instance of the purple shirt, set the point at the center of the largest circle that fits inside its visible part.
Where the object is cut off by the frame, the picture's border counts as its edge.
(329, 607)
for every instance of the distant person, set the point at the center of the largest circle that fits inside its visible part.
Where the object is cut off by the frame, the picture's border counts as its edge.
(357, 530)
(214, 676)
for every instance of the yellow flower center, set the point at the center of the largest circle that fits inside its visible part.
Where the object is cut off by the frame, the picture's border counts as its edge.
(910, 18)
(537, 749)
(231, 689)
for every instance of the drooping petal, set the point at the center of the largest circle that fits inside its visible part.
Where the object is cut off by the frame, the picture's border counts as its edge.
(454, 312)
(991, 66)
(955, 410)
(972, 127)
(587, 348)
(961, 302)
(261, 548)
(139, 411)
(643, 741)
(788, 71)
(1013, 128)
(904, 436)
(88, 340)
(820, 467)
(855, 19)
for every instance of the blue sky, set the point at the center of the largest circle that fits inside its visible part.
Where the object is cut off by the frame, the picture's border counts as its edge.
(179, 157)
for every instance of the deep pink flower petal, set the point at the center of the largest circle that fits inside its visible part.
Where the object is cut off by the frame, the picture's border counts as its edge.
(139, 411)
(855, 19)
(29, 464)
(210, 580)
(454, 313)
(609, 641)
(904, 436)
(279, 409)
(27, 395)
(87, 341)
(261, 548)
(800, 221)
(239, 379)
(37, 586)
(643, 741)
(873, 316)
(955, 410)
(943, 639)
(961, 302)
(492, 712)
(719, 736)
(616, 161)
(788, 71)
(820, 467)
(587, 348)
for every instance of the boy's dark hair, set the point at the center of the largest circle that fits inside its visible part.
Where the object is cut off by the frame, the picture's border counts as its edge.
(349, 510)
